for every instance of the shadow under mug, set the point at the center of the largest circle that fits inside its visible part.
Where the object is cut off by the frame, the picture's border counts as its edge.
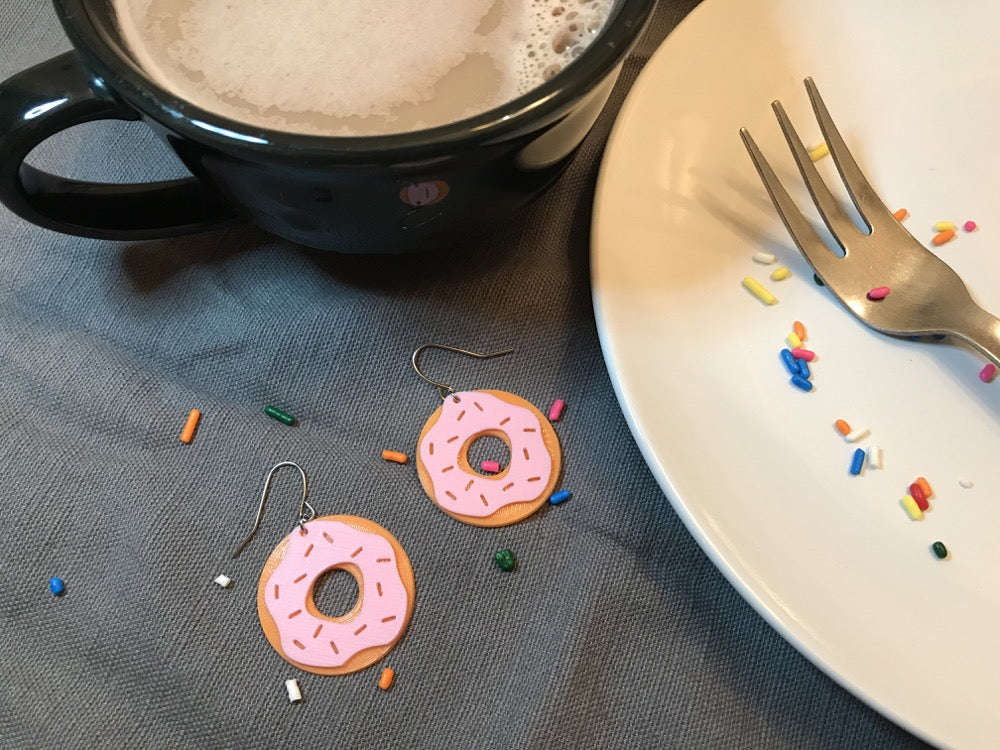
(392, 193)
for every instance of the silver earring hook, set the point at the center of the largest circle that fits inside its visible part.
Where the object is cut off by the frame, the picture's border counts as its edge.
(306, 512)
(443, 389)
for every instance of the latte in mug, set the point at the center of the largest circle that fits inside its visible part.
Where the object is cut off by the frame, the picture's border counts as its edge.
(355, 67)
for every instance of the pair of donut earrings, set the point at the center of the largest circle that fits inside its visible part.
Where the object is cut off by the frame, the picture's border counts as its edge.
(318, 643)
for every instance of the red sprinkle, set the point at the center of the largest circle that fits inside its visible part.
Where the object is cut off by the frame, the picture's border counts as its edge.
(969, 226)
(917, 493)
(988, 373)
(806, 354)
(879, 292)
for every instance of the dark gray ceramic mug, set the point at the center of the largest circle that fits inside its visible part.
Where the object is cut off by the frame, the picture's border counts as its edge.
(393, 193)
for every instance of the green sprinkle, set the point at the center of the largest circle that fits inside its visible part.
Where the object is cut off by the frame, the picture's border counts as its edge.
(939, 549)
(818, 280)
(505, 560)
(276, 413)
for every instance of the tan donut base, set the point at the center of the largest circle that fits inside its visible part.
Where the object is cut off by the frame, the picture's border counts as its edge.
(368, 656)
(509, 513)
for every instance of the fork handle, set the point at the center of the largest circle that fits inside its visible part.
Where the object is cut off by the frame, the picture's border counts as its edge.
(981, 329)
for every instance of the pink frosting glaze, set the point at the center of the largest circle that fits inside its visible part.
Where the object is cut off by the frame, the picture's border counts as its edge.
(471, 494)
(322, 641)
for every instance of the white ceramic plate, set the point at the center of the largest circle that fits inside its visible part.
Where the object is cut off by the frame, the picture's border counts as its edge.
(754, 466)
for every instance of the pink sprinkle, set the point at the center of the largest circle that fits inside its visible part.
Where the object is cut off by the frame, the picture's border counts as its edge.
(805, 354)
(879, 292)
(555, 411)
(969, 226)
(490, 467)
(988, 373)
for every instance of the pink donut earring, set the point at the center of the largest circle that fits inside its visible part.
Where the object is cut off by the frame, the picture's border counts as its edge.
(498, 498)
(294, 626)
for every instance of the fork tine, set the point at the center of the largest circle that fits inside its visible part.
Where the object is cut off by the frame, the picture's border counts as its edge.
(836, 220)
(802, 232)
(866, 200)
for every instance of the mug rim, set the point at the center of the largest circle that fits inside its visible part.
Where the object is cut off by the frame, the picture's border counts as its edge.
(499, 124)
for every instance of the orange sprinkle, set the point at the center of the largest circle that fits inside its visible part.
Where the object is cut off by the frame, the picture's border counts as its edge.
(925, 486)
(187, 434)
(842, 427)
(942, 237)
(395, 456)
(385, 681)
(900, 214)
(800, 330)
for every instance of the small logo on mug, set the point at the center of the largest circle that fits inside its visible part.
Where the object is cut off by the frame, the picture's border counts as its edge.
(424, 193)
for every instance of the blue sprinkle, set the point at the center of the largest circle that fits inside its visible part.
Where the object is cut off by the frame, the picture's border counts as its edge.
(857, 461)
(804, 370)
(790, 363)
(56, 586)
(800, 382)
(560, 496)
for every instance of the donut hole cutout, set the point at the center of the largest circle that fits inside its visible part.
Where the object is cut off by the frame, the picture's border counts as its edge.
(336, 593)
(487, 447)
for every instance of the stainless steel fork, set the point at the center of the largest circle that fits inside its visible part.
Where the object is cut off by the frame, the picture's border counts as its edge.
(926, 296)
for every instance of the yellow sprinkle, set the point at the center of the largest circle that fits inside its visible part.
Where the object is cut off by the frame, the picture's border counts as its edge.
(912, 508)
(793, 341)
(942, 226)
(779, 274)
(818, 152)
(758, 291)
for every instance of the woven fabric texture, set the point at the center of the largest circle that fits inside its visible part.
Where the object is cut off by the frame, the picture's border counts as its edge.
(614, 631)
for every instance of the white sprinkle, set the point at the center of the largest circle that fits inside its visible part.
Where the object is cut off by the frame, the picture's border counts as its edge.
(224, 581)
(966, 483)
(294, 694)
(764, 258)
(855, 435)
(874, 457)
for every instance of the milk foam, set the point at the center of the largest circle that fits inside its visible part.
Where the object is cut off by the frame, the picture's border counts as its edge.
(355, 66)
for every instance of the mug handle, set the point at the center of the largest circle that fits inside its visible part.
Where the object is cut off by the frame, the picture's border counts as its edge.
(57, 94)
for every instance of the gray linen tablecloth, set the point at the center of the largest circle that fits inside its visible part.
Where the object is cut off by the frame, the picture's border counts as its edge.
(615, 630)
